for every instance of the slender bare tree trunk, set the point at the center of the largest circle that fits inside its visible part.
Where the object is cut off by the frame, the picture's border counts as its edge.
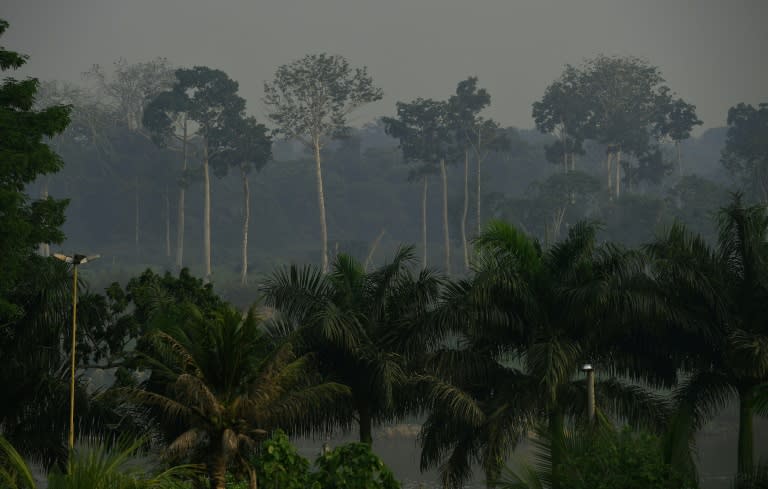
(679, 158)
(564, 138)
(206, 214)
(45, 248)
(465, 211)
(477, 190)
(609, 168)
(167, 223)
(182, 190)
(424, 222)
(246, 217)
(136, 217)
(618, 173)
(446, 236)
(321, 205)
(374, 245)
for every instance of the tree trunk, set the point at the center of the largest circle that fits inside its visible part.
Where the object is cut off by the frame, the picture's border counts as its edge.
(446, 235)
(136, 218)
(364, 412)
(609, 168)
(167, 224)
(252, 478)
(745, 455)
(374, 245)
(424, 222)
(465, 211)
(206, 214)
(218, 470)
(45, 248)
(182, 189)
(477, 190)
(618, 173)
(564, 142)
(556, 434)
(321, 205)
(679, 158)
(246, 217)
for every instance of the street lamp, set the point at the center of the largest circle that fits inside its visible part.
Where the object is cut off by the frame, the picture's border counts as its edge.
(75, 261)
(590, 391)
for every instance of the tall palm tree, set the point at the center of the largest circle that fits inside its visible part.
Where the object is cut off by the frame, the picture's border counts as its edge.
(525, 322)
(719, 296)
(358, 322)
(228, 384)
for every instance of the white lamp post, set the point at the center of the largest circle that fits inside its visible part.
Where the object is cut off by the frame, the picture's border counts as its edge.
(590, 391)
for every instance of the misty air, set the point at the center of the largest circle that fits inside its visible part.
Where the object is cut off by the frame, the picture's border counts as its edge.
(424, 244)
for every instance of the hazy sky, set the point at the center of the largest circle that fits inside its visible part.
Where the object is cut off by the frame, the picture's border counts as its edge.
(712, 53)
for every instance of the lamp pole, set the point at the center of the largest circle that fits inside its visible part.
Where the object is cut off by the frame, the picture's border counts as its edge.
(75, 260)
(590, 391)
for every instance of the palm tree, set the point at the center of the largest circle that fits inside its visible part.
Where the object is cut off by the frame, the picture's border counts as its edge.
(719, 296)
(224, 379)
(364, 327)
(94, 464)
(526, 321)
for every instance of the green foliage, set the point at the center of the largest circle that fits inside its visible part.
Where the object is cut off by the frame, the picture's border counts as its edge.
(310, 98)
(95, 464)
(525, 320)
(422, 128)
(602, 458)
(623, 460)
(25, 155)
(219, 378)
(746, 147)
(279, 466)
(353, 466)
(14, 471)
(363, 326)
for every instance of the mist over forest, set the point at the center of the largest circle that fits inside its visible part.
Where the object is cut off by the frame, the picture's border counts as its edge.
(545, 267)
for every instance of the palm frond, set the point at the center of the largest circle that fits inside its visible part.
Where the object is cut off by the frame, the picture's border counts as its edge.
(14, 467)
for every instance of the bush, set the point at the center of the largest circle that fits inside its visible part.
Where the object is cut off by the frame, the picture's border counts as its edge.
(621, 460)
(279, 465)
(353, 466)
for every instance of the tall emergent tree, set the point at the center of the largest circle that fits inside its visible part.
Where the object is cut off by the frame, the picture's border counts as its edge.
(244, 144)
(472, 134)
(562, 111)
(424, 137)
(25, 223)
(621, 103)
(678, 121)
(131, 87)
(127, 90)
(207, 97)
(746, 146)
(167, 120)
(310, 100)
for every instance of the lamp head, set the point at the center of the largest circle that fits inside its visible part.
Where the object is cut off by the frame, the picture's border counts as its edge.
(587, 367)
(76, 259)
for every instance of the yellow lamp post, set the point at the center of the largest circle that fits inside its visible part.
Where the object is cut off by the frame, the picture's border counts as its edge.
(75, 260)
